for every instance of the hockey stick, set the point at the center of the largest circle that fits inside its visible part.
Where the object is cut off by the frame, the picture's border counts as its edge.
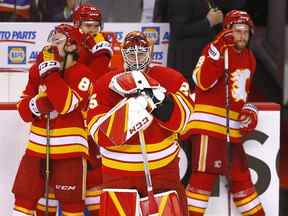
(228, 143)
(47, 168)
(211, 4)
(153, 208)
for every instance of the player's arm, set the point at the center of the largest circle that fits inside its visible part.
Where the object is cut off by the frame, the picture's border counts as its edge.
(101, 51)
(66, 98)
(63, 97)
(174, 112)
(210, 66)
(96, 111)
(170, 109)
(33, 104)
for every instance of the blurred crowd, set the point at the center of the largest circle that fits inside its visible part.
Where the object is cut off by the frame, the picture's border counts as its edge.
(61, 10)
(130, 11)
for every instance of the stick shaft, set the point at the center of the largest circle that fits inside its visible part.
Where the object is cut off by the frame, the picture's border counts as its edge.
(228, 144)
(47, 168)
(152, 203)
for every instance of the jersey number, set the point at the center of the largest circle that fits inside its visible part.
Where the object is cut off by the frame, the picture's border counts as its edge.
(84, 84)
(93, 102)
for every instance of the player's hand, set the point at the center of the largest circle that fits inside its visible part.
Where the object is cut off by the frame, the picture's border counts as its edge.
(48, 61)
(135, 83)
(88, 41)
(248, 118)
(223, 40)
(96, 43)
(214, 16)
(40, 105)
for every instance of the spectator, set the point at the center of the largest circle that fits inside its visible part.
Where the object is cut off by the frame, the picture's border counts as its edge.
(147, 11)
(58, 10)
(13, 10)
(192, 25)
(129, 11)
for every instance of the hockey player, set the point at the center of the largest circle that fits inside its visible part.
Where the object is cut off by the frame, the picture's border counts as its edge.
(60, 86)
(96, 53)
(209, 154)
(122, 163)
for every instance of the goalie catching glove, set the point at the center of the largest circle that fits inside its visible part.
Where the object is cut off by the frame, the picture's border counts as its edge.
(136, 83)
(48, 61)
(248, 118)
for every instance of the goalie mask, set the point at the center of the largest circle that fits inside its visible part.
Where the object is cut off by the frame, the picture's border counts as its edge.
(137, 51)
(64, 36)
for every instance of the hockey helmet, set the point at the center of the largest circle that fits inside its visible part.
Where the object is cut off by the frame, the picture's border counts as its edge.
(86, 12)
(71, 34)
(65, 35)
(137, 50)
(238, 17)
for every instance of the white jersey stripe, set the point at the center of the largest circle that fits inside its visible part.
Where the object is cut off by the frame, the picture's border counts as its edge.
(198, 116)
(54, 141)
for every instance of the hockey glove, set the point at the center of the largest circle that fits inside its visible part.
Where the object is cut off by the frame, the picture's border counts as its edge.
(48, 61)
(223, 40)
(40, 105)
(135, 83)
(164, 109)
(248, 118)
(96, 44)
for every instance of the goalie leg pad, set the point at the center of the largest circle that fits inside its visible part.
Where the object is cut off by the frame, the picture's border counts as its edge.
(168, 204)
(119, 202)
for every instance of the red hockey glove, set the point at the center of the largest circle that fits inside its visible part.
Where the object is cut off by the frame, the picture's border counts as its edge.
(96, 44)
(48, 61)
(223, 39)
(40, 105)
(248, 118)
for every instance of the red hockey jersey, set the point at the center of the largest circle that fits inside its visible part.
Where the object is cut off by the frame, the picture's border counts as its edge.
(69, 96)
(209, 115)
(160, 137)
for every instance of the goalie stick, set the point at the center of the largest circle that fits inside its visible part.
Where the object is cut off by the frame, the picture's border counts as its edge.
(153, 208)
